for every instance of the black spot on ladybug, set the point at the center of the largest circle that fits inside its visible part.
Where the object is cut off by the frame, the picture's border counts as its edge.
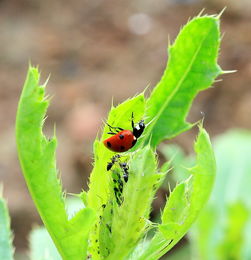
(122, 147)
(109, 144)
(134, 142)
(121, 136)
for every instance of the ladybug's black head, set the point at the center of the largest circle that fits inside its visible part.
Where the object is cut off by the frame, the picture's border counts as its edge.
(138, 129)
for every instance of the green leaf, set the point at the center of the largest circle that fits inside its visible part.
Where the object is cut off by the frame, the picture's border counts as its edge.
(37, 158)
(6, 248)
(129, 220)
(232, 243)
(100, 186)
(170, 230)
(185, 202)
(223, 230)
(118, 116)
(192, 67)
(122, 208)
(41, 245)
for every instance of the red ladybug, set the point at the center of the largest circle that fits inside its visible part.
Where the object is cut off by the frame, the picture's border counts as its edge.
(123, 140)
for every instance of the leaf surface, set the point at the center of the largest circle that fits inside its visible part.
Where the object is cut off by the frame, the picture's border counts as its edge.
(192, 67)
(223, 230)
(100, 186)
(37, 158)
(185, 202)
(129, 220)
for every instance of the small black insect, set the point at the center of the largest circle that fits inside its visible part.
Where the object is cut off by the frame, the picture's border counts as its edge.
(112, 162)
(125, 169)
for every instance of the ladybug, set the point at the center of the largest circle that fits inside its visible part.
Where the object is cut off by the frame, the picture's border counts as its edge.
(123, 140)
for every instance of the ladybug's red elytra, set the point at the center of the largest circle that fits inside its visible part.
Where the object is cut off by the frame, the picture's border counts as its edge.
(123, 140)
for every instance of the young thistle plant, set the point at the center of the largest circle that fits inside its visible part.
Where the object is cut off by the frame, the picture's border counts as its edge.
(115, 219)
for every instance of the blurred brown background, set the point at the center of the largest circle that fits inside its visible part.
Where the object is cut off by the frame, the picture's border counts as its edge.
(97, 50)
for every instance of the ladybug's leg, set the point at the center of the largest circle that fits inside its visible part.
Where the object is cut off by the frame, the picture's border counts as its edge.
(115, 128)
(111, 133)
(110, 128)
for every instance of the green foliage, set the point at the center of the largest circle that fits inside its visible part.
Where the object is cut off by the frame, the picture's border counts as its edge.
(185, 201)
(41, 244)
(37, 157)
(122, 208)
(223, 230)
(129, 220)
(6, 248)
(118, 116)
(191, 68)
